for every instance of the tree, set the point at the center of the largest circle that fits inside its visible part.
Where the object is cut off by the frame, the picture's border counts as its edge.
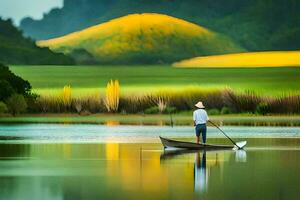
(10, 84)
(6, 90)
(16, 104)
(3, 107)
(15, 91)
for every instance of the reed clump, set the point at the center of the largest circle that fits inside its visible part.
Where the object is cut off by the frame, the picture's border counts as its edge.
(67, 95)
(112, 96)
(241, 103)
(224, 101)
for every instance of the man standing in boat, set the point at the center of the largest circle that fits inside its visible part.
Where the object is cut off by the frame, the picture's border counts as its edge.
(200, 119)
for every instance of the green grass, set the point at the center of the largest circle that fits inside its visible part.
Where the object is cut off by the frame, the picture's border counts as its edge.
(139, 79)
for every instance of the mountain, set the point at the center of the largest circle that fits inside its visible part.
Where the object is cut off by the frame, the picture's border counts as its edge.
(255, 24)
(142, 39)
(15, 49)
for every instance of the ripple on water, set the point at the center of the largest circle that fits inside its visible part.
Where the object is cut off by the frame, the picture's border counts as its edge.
(82, 133)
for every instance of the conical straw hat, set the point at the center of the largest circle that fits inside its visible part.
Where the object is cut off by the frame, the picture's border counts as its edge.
(199, 105)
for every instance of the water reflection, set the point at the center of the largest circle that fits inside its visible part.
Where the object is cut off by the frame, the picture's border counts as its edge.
(200, 173)
(205, 162)
(143, 171)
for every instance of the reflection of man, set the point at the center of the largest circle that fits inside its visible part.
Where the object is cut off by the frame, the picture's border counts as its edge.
(200, 173)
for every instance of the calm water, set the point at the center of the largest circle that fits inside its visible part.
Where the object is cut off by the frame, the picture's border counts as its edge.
(127, 162)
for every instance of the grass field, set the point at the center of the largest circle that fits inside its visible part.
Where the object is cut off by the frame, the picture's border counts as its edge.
(251, 59)
(140, 79)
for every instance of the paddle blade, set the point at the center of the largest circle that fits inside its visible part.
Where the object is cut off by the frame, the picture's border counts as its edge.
(241, 144)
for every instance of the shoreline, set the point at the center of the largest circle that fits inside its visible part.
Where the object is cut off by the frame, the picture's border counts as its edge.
(157, 119)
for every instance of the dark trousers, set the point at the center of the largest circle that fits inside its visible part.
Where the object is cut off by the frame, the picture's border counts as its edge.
(201, 128)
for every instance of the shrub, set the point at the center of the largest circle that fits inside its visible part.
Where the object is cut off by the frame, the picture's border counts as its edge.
(225, 111)
(152, 110)
(112, 96)
(3, 107)
(170, 110)
(213, 111)
(262, 108)
(16, 104)
(31, 101)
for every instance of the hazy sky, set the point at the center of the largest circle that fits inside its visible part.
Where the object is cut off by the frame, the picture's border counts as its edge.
(17, 9)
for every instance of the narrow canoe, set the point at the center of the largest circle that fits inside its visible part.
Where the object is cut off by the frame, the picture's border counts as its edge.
(168, 143)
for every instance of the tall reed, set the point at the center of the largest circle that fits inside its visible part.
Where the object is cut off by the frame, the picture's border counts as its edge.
(67, 95)
(244, 102)
(112, 96)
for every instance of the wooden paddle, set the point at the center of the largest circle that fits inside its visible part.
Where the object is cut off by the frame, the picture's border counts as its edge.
(240, 145)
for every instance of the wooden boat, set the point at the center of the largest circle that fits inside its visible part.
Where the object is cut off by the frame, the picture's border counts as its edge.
(168, 143)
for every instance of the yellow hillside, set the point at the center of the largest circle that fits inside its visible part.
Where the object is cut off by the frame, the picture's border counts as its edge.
(146, 38)
(254, 59)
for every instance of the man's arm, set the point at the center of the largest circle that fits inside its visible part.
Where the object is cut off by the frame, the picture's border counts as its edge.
(194, 118)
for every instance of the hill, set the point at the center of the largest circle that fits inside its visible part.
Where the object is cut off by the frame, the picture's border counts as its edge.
(15, 49)
(255, 24)
(253, 59)
(141, 38)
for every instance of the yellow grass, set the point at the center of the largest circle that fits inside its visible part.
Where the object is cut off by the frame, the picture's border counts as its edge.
(254, 59)
(67, 95)
(112, 96)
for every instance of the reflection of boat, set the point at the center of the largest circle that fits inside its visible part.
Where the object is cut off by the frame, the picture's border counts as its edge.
(176, 152)
(169, 154)
(190, 145)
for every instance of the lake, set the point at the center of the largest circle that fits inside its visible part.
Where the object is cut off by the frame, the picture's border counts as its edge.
(52, 161)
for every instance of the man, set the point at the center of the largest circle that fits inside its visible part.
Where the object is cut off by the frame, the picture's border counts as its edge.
(200, 119)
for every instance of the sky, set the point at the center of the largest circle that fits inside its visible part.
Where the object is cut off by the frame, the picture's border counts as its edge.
(18, 9)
